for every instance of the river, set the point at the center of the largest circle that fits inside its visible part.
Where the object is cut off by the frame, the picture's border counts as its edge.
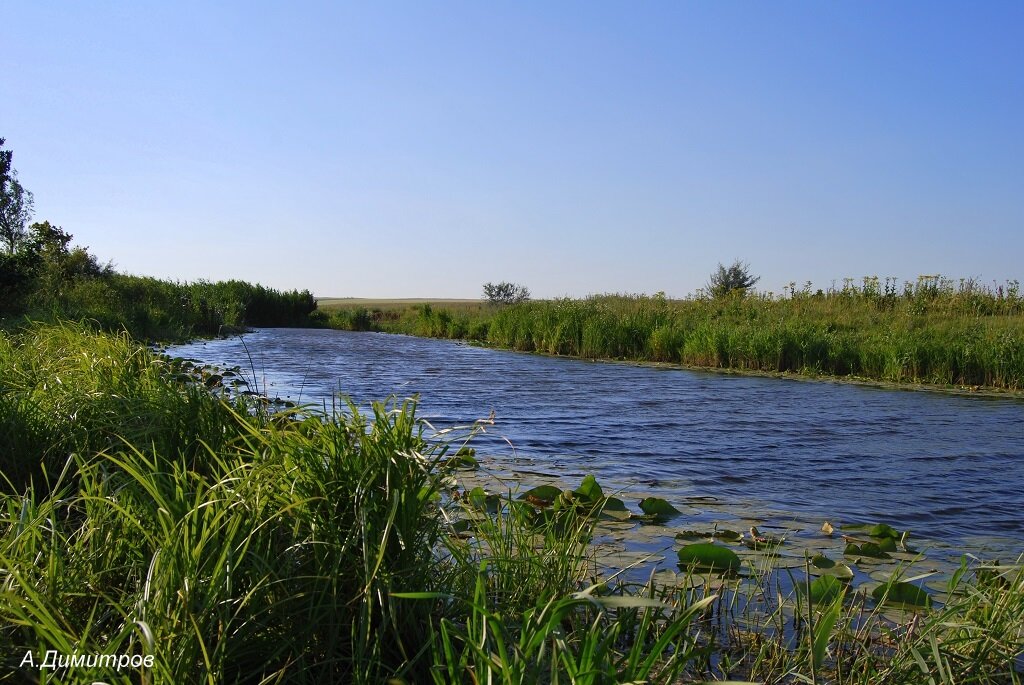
(780, 453)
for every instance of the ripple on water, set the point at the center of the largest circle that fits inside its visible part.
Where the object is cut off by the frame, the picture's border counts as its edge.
(949, 467)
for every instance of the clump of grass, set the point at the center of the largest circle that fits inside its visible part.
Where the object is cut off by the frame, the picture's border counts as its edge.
(69, 389)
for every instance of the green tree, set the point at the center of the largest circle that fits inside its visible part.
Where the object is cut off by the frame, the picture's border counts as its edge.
(51, 247)
(506, 293)
(734, 278)
(16, 203)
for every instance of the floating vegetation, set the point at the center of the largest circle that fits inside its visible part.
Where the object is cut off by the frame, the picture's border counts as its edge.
(707, 556)
(658, 509)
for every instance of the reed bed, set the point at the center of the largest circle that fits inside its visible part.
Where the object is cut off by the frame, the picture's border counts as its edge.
(142, 515)
(933, 332)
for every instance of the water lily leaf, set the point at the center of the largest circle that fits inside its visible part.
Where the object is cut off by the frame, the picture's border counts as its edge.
(903, 593)
(615, 509)
(706, 556)
(887, 544)
(590, 490)
(868, 549)
(656, 506)
(824, 589)
(727, 535)
(462, 462)
(840, 571)
(479, 498)
(884, 530)
(821, 561)
(465, 458)
(693, 535)
(823, 566)
(542, 495)
(615, 504)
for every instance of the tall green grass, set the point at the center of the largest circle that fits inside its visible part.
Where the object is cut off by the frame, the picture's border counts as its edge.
(146, 516)
(933, 331)
(151, 308)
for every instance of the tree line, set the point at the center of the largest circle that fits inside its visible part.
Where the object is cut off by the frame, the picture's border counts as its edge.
(43, 275)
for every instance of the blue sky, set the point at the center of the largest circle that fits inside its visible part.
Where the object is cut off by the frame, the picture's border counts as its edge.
(421, 149)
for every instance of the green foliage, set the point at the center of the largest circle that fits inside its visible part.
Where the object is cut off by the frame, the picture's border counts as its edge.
(707, 556)
(16, 204)
(734, 278)
(934, 333)
(506, 293)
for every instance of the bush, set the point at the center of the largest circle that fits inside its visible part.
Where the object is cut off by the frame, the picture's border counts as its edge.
(506, 293)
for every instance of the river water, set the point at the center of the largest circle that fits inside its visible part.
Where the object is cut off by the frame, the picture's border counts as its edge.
(773, 452)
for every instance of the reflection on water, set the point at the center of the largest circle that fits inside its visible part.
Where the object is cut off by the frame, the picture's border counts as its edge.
(948, 468)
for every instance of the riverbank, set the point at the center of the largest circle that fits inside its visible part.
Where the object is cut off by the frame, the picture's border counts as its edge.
(932, 334)
(142, 515)
(811, 376)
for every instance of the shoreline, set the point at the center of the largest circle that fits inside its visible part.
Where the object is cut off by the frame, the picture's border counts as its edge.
(986, 392)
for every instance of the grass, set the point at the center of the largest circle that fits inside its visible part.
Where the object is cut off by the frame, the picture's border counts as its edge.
(151, 308)
(142, 514)
(934, 332)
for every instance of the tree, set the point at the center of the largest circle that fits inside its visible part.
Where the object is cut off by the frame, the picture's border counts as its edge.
(736, 277)
(5, 161)
(15, 203)
(506, 293)
(51, 247)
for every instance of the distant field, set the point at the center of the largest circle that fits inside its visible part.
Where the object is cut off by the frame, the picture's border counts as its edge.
(388, 303)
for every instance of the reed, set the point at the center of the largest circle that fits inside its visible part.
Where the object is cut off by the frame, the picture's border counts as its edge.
(933, 332)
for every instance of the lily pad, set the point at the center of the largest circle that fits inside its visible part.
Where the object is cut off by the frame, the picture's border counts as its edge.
(821, 561)
(615, 508)
(659, 508)
(824, 589)
(727, 535)
(724, 535)
(542, 495)
(887, 544)
(478, 498)
(825, 567)
(589, 490)
(464, 458)
(903, 593)
(867, 549)
(706, 556)
(884, 530)
(694, 535)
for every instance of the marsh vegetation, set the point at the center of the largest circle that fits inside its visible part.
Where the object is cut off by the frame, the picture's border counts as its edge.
(144, 514)
(934, 331)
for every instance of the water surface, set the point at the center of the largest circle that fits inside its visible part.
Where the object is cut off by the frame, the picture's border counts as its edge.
(777, 451)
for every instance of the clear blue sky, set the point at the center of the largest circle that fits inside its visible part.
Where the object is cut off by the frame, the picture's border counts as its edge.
(421, 149)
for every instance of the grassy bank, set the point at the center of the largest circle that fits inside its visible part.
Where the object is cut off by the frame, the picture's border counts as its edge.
(142, 515)
(933, 331)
